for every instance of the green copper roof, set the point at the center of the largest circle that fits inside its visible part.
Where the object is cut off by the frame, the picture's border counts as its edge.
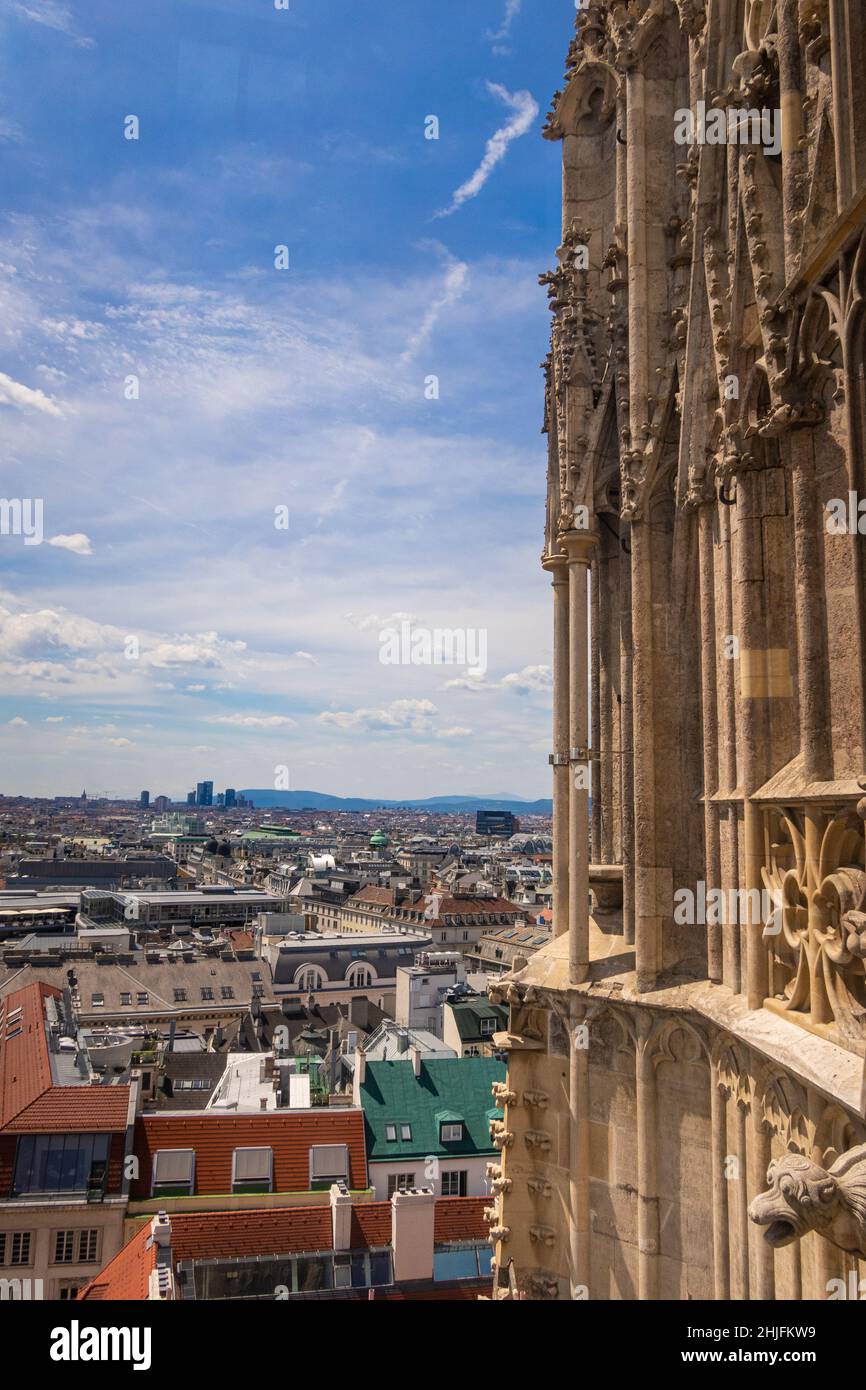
(391, 1094)
(468, 1018)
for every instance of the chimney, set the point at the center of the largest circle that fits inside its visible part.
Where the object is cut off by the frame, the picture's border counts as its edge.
(412, 1218)
(263, 1102)
(359, 1076)
(160, 1229)
(415, 1054)
(341, 1217)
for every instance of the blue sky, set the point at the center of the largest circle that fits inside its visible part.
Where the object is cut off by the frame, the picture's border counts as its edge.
(256, 645)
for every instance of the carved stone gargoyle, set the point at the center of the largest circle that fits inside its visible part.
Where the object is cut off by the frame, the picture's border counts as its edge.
(803, 1196)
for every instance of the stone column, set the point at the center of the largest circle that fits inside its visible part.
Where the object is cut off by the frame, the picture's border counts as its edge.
(579, 546)
(578, 1178)
(719, 1185)
(557, 567)
(814, 703)
(732, 974)
(647, 921)
(596, 851)
(647, 1162)
(710, 719)
(756, 687)
(740, 1281)
(627, 749)
(758, 1154)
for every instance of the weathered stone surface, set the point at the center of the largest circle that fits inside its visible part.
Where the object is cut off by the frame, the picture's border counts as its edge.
(704, 412)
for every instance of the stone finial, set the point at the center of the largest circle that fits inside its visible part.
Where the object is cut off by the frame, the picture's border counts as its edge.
(802, 1196)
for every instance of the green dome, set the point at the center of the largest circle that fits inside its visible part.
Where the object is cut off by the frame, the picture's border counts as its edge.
(378, 840)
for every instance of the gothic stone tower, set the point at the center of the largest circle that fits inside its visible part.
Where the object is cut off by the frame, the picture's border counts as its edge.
(706, 419)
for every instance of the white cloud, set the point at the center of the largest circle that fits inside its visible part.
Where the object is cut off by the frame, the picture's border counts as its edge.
(205, 649)
(412, 715)
(530, 680)
(456, 732)
(10, 131)
(14, 393)
(253, 721)
(78, 543)
(52, 14)
(84, 329)
(512, 10)
(55, 718)
(456, 278)
(372, 621)
(525, 109)
(17, 722)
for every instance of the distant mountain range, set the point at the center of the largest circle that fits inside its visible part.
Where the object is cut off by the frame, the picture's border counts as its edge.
(265, 797)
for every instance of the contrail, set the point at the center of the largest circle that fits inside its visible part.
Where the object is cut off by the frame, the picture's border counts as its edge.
(525, 109)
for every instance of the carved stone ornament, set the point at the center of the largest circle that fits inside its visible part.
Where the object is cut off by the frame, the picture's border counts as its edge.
(803, 1196)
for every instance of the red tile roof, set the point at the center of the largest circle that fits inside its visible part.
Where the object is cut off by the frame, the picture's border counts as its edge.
(125, 1278)
(216, 1135)
(282, 1231)
(232, 1234)
(371, 1225)
(378, 897)
(461, 1218)
(29, 1103)
(25, 1069)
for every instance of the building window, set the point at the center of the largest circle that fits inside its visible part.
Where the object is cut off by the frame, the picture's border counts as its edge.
(97, 1001)
(329, 1163)
(400, 1182)
(20, 1248)
(60, 1163)
(174, 1173)
(488, 1025)
(405, 1131)
(67, 1292)
(359, 977)
(391, 1133)
(226, 992)
(180, 996)
(64, 1247)
(450, 1133)
(206, 992)
(88, 1244)
(252, 1170)
(309, 978)
(454, 1182)
(125, 999)
(142, 997)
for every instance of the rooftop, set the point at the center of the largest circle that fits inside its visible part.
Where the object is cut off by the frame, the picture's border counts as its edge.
(391, 1094)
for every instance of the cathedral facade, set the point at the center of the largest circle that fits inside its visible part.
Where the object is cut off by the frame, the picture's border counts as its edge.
(684, 1110)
